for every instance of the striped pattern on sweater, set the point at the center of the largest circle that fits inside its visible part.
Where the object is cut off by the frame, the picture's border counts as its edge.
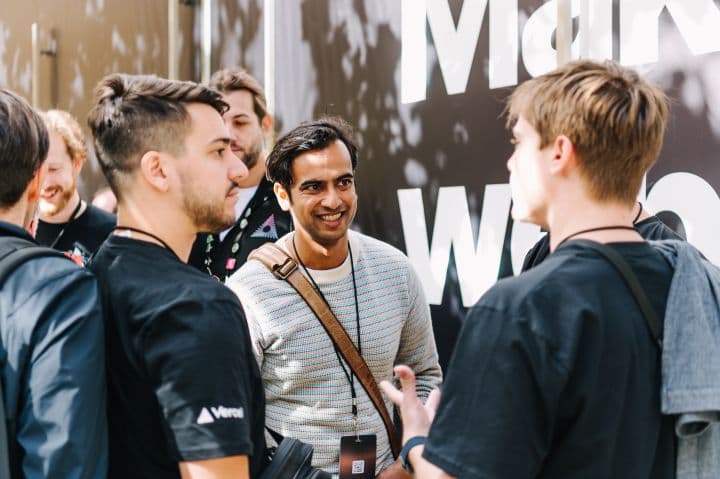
(307, 393)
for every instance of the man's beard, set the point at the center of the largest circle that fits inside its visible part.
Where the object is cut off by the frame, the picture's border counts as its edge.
(207, 217)
(250, 158)
(48, 209)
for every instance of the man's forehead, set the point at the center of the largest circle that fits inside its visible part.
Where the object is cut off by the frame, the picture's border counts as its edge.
(328, 163)
(240, 101)
(206, 123)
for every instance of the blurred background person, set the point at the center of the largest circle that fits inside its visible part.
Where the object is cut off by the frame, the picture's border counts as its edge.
(67, 223)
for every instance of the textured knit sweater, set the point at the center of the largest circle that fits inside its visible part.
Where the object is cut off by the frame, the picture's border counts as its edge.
(307, 393)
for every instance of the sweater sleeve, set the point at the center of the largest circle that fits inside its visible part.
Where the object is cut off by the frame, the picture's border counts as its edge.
(417, 341)
(240, 284)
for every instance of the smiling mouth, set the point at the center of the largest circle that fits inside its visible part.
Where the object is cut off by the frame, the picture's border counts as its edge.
(332, 217)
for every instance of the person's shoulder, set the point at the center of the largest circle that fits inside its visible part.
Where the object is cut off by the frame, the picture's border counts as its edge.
(43, 279)
(537, 253)
(101, 219)
(561, 271)
(374, 250)
(652, 228)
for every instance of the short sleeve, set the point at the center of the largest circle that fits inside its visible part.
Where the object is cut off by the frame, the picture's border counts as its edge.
(197, 355)
(496, 413)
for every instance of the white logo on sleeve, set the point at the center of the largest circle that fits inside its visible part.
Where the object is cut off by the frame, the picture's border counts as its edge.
(220, 412)
(205, 417)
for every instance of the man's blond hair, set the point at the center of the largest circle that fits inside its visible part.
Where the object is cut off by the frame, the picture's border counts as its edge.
(614, 119)
(65, 125)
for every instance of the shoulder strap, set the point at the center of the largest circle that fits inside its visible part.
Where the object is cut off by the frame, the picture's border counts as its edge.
(10, 261)
(13, 253)
(651, 318)
(285, 268)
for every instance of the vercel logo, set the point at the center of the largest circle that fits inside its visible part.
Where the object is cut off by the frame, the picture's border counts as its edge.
(210, 415)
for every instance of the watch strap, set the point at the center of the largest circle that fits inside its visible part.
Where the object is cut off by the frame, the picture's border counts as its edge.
(407, 447)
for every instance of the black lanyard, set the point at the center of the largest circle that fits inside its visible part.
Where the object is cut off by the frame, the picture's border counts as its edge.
(348, 373)
(62, 231)
(150, 235)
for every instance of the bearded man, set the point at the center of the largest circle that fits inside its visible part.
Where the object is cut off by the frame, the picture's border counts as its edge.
(66, 222)
(258, 217)
(185, 394)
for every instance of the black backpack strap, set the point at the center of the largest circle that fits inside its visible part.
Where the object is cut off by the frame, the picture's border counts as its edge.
(10, 260)
(13, 253)
(651, 318)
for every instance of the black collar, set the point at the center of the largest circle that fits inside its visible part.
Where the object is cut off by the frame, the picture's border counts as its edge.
(11, 229)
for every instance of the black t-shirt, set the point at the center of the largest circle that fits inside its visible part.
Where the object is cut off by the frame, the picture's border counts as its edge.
(555, 375)
(651, 228)
(89, 230)
(183, 384)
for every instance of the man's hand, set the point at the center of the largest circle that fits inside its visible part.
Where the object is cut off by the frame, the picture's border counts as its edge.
(416, 416)
(231, 467)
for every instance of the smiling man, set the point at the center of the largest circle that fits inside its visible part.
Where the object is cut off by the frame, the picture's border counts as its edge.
(185, 396)
(370, 287)
(67, 223)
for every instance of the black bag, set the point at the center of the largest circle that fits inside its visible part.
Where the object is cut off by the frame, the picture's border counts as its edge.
(292, 459)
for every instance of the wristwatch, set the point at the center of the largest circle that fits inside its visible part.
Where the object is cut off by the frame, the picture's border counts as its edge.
(405, 451)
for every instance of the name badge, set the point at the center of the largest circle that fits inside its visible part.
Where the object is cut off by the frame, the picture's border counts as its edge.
(357, 456)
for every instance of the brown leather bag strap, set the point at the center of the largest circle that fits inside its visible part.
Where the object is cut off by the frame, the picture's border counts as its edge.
(284, 267)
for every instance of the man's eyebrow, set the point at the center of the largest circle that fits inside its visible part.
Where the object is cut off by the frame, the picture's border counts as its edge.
(222, 139)
(309, 182)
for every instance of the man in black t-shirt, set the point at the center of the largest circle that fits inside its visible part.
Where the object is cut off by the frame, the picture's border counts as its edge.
(555, 373)
(185, 394)
(67, 223)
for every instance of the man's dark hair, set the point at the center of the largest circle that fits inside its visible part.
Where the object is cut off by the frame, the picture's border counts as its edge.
(228, 80)
(309, 136)
(134, 114)
(24, 146)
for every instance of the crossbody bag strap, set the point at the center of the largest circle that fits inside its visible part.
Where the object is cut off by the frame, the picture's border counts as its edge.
(285, 268)
(651, 318)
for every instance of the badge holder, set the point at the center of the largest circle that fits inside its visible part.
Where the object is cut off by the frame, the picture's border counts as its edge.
(358, 455)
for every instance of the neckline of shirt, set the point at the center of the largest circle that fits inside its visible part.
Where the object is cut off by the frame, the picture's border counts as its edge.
(324, 277)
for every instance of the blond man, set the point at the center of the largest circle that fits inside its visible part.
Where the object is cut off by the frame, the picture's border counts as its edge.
(67, 223)
(555, 373)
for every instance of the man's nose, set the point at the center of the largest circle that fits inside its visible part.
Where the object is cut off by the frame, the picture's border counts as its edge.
(331, 199)
(237, 170)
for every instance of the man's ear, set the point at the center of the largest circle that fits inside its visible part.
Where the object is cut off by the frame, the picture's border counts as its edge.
(77, 165)
(267, 125)
(155, 169)
(563, 159)
(283, 196)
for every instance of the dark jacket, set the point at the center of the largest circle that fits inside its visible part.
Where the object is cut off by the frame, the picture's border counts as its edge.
(262, 220)
(52, 367)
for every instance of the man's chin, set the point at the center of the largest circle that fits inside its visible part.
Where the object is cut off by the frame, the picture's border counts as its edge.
(47, 209)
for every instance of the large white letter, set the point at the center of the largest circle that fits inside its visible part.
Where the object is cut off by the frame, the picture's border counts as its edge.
(413, 51)
(698, 206)
(538, 54)
(477, 268)
(698, 21)
(456, 47)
